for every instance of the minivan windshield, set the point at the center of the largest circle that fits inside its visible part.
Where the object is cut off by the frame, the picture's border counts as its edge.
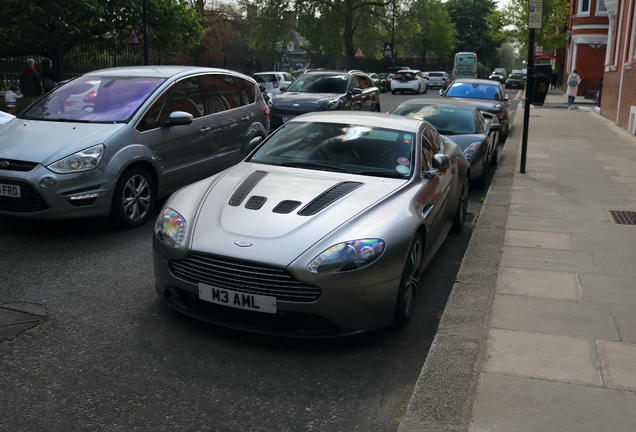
(94, 99)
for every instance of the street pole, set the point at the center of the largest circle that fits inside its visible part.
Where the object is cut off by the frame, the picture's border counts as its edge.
(145, 32)
(528, 100)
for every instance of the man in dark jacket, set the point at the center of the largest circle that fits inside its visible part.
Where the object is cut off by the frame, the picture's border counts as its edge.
(30, 84)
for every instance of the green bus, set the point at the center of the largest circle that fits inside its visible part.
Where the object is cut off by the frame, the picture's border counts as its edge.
(465, 65)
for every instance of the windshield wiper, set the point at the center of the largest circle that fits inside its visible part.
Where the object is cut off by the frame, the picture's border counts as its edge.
(390, 174)
(319, 166)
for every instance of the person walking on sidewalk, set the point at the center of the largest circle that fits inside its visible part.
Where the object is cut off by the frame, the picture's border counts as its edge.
(30, 84)
(10, 97)
(573, 87)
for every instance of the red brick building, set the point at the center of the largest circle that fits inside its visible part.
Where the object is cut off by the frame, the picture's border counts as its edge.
(587, 39)
(618, 102)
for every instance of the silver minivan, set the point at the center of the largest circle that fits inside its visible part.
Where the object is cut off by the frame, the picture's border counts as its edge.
(113, 141)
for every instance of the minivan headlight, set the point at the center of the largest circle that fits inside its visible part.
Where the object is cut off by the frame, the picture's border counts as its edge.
(84, 160)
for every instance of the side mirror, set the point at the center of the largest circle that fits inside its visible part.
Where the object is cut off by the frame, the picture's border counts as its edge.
(441, 162)
(262, 87)
(178, 118)
(282, 89)
(441, 92)
(356, 91)
(496, 127)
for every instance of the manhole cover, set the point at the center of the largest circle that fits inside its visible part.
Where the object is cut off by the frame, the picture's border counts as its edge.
(623, 217)
(14, 321)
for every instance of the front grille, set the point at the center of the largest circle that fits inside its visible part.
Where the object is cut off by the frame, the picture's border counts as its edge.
(244, 277)
(30, 201)
(16, 165)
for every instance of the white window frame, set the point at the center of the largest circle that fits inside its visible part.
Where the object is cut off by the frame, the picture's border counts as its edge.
(581, 12)
(598, 11)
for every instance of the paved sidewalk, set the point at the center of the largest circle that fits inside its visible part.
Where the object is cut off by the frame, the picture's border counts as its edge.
(539, 333)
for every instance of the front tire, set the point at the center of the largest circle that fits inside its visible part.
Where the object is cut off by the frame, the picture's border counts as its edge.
(134, 198)
(409, 283)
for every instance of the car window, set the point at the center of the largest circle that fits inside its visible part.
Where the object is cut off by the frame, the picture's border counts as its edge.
(95, 99)
(427, 153)
(308, 83)
(152, 117)
(448, 120)
(404, 76)
(247, 89)
(435, 74)
(187, 96)
(288, 77)
(265, 78)
(474, 91)
(221, 92)
(364, 82)
(341, 147)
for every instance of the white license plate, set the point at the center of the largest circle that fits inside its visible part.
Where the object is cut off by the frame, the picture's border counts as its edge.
(286, 119)
(235, 299)
(10, 191)
(404, 82)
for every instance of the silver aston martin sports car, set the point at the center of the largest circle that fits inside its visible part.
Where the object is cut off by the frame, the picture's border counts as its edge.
(323, 230)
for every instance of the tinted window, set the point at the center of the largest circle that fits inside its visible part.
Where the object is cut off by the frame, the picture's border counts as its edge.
(247, 90)
(187, 96)
(448, 120)
(265, 78)
(96, 99)
(427, 154)
(308, 83)
(221, 92)
(152, 117)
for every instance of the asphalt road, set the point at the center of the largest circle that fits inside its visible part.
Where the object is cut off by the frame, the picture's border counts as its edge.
(107, 355)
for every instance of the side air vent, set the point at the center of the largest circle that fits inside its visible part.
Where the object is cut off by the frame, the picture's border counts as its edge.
(285, 207)
(255, 202)
(245, 187)
(328, 197)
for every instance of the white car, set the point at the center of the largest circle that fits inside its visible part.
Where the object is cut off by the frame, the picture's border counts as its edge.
(409, 80)
(5, 117)
(438, 79)
(274, 81)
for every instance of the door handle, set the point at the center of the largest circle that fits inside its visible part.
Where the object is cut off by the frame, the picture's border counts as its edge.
(205, 129)
(245, 118)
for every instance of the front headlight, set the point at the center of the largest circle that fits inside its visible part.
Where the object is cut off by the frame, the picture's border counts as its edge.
(332, 104)
(470, 151)
(349, 255)
(84, 160)
(170, 227)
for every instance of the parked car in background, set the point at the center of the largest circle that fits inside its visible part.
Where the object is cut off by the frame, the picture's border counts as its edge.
(324, 91)
(387, 76)
(378, 81)
(464, 124)
(274, 81)
(113, 141)
(487, 95)
(322, 231)
(438, 79)
(409, 80)
(497, 76)
(515, 80)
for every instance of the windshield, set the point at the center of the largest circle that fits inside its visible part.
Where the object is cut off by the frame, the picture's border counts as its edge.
(308, 83)
(516, 76)
(346, 148)
(94, 99)
(473, 91)
(448, 120)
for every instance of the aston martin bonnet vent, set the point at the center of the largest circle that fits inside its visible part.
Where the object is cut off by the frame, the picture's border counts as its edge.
(329, 197)
(244, 189)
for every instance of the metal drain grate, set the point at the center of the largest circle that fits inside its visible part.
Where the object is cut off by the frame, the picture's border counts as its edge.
(623, 217)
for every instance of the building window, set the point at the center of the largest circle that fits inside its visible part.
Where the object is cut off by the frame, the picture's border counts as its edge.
(290, 46)
(600, 7)
(584, 7)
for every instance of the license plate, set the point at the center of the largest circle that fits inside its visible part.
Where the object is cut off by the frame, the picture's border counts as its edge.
(238, 300)
(10, 191)
(286, 119)
(69, 104)
(404, 82)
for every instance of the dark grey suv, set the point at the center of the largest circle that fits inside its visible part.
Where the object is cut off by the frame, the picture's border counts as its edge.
(324, 91)
(112, 141)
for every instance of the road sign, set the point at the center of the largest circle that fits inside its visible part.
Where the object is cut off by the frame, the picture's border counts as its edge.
(535, 14)
(359, 53)
(388, 49)
(538, 49)
(132, 38)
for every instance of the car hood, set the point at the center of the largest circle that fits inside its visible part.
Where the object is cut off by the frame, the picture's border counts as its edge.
(45, 142)
(464, 141)
(304, 99)
(229, 221)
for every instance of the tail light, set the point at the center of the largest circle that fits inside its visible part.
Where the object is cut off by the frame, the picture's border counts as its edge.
(444, 79)
(276, 83)
(266, 111)
(426, 78)
(90, 97)
(414, 77)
